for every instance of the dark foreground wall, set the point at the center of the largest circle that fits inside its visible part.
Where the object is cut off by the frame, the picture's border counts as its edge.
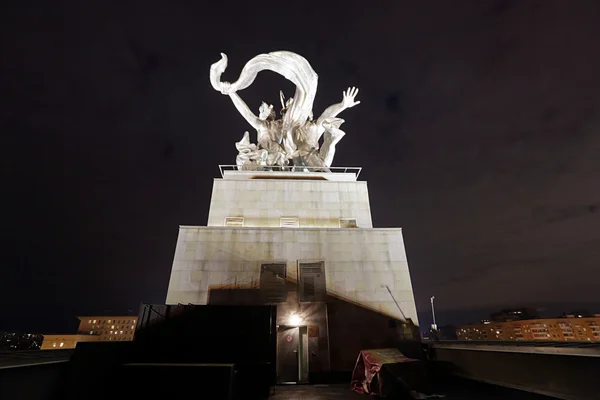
(213, 351)
(353, 328)
(36, 382)
(343, 328)
(207, 334)
(562, 376)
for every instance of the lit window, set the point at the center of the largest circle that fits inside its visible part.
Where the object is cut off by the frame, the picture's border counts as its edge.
(111, 332)
(53, 344)
(109, 321)
(112, 327)
(121, 332)
(62, 344)
(132, 326)
(90, 321)
(91, 332)
(94, 321)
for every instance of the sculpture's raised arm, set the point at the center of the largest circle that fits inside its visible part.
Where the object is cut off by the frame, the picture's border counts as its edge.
(347, 102)
(243, 109)
(216, 70)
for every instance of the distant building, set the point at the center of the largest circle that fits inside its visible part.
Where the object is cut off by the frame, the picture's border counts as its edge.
(570, 328)
(447, 332)
(107, 328)
(514, 314)
(94, 329)
(60, 342)
(20, 341)
(579, 314)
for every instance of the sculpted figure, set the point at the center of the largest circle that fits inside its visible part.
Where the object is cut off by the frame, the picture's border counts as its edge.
(249, 155)
(268, 130)
(306, 137)
(293, 139)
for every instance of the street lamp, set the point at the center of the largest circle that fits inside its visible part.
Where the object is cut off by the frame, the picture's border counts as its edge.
(434, 325)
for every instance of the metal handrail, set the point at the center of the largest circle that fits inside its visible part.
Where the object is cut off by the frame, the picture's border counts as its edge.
(298, 169)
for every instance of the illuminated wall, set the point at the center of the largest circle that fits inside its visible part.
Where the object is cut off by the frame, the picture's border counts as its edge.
(256, 221)
(59, 342)
(305, 242)
(316, 203)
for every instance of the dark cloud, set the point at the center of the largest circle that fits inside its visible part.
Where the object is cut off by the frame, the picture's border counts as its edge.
(499, 8)
(393, 104)
(480, 121)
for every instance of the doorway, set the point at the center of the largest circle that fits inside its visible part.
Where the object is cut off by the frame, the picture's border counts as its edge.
(292, 354)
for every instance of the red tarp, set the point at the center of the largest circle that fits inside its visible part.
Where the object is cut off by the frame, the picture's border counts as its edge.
(367, 378)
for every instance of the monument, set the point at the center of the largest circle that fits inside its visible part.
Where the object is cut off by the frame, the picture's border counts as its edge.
(294, 138)
(285, 227)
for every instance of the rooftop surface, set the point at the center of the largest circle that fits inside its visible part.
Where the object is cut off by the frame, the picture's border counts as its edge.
(586, 349)
(452, 388)
(22, 358)
(458, 389)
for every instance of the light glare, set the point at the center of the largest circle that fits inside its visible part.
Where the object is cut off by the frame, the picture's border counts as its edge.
(295, 320)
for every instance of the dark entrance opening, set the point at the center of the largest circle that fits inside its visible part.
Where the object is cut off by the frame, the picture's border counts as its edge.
(292, 354)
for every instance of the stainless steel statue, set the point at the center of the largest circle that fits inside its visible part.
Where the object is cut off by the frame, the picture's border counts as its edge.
(292, 140)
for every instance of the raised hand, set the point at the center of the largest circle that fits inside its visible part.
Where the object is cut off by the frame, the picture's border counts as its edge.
(348, 97)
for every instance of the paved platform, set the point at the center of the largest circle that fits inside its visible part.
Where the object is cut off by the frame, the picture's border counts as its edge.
(315, 392)
(584, 349)
(458, 390)
(23, 358)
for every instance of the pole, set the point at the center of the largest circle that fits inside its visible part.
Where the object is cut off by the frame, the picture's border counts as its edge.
(434, 326)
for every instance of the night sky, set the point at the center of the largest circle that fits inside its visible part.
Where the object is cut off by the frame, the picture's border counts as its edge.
(478, 132)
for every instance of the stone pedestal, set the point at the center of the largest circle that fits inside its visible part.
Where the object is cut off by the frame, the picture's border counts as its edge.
(284, 222)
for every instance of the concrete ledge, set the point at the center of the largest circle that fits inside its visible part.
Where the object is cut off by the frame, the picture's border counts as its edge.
(336, 174)
(259, 228)
(535, 369)
(564, 351)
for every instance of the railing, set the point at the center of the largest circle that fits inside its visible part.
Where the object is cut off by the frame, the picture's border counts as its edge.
(300, 169)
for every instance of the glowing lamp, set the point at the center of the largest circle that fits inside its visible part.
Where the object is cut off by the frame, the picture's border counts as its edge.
(295, 320)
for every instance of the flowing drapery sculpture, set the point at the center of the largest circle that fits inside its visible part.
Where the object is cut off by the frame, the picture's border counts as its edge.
(294, 138)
